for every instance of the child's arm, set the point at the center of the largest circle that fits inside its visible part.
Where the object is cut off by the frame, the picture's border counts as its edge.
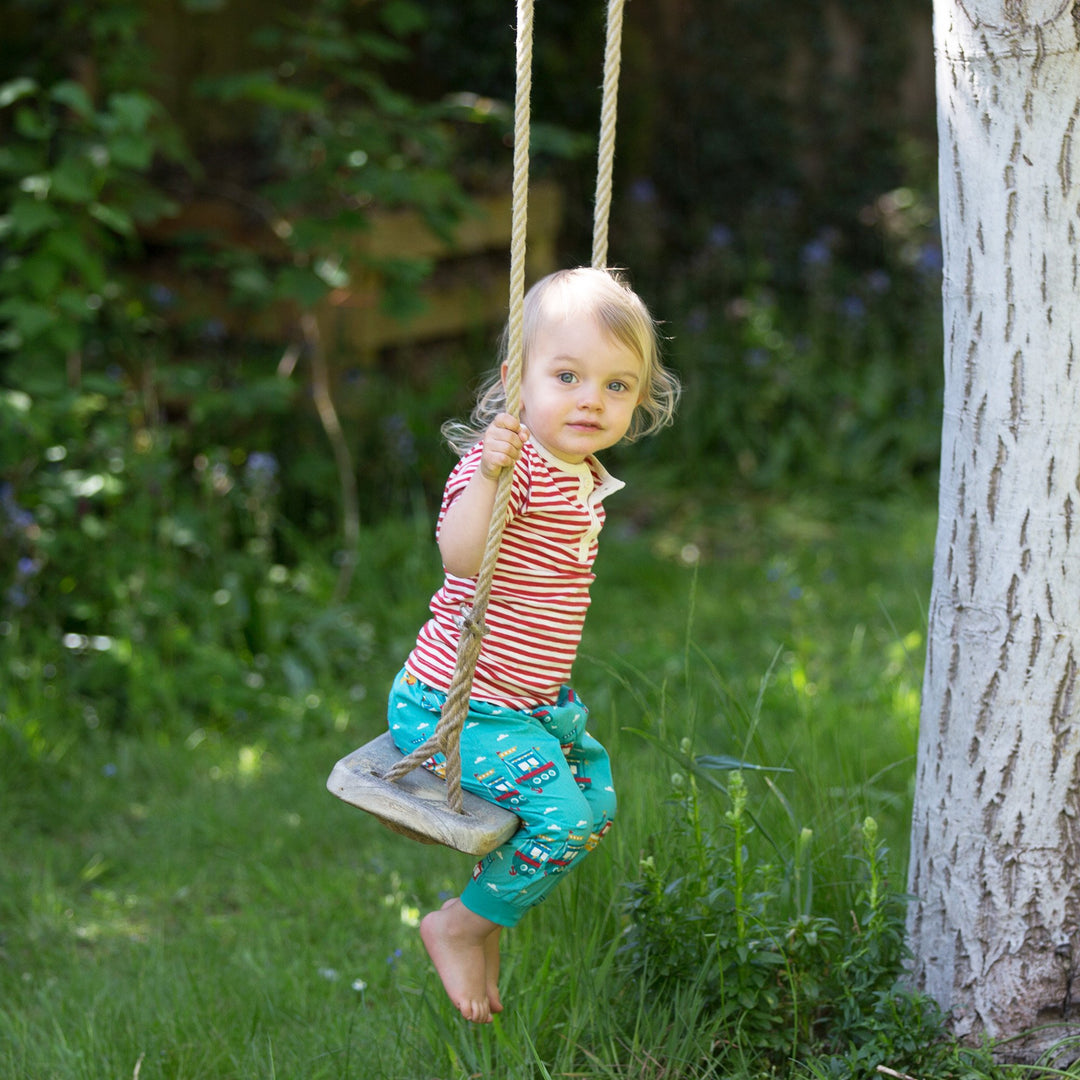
(465, 526)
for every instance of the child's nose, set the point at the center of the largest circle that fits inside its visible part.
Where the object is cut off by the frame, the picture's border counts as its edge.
(590, 396)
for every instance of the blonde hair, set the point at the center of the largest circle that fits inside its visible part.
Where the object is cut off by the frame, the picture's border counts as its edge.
(602, 295)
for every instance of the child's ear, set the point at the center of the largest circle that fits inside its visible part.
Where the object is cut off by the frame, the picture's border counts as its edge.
(502, 373)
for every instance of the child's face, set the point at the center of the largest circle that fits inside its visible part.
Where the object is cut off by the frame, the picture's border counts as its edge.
(579, 388)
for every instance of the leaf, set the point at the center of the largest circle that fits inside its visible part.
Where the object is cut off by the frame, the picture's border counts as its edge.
(27, 318)
(41, 273)
(31, 125)
(66, 245)
(717, 762)
(32, 216)
(117, 220)
(15, 401)
(403, 17)
(132, 109)
(300, 285)
(73, 180)
(263, 88)
(22, 159)
(74, 96)
(726, 763)
(131, 151)
(12, 91)
(251, 282)
(297, 675)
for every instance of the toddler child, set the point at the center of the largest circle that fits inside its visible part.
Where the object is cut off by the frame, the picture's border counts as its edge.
(591, 377)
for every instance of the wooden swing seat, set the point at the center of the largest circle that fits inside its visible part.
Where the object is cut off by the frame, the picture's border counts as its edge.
(415, 804)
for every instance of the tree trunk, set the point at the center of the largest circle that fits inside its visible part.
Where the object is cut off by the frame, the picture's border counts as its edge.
(995, 843)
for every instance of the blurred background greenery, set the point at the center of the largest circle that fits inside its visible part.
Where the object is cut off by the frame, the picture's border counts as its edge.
(251, 256)
(226, 225)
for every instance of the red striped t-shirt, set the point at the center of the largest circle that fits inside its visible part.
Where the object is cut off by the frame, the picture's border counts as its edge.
(540, 587)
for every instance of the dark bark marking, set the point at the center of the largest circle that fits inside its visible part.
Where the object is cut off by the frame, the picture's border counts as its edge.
(1016, 394)
(1014, 617)
(1036, 644)
(1064, 167)
(986, 703)
(973, 555)
(1025, 551)
(969, 281)
(995, 479)
(1010, 763)
(970, 365)
(1062, 710)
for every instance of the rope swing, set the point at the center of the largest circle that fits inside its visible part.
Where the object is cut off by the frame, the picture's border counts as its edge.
(377, 778)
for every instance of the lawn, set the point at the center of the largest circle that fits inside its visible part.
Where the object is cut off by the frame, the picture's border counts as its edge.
(195, 906)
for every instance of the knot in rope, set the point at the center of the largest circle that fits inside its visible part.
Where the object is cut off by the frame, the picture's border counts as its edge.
(471, 623)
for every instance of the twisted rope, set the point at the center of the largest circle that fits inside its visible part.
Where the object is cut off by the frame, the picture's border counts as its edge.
(447, 736)
(448, 730)
(606, 152)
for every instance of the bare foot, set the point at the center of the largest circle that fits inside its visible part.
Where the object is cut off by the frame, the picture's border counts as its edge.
(491, 962)
(455, 939)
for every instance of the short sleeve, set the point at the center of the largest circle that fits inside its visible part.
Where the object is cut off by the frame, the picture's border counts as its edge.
(463, 472)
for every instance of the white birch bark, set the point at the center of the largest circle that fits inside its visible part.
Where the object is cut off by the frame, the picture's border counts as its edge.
(995, 853)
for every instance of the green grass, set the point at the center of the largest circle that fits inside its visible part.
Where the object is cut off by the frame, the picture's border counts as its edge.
(197, 907)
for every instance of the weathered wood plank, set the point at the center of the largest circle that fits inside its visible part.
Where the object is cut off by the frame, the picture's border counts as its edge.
(417, 802)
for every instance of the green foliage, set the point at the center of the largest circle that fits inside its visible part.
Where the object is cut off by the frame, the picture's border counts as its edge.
(835, 377)
(133, 549)
(332, 138)
(73, 189)
(738, 922)
(186, 894)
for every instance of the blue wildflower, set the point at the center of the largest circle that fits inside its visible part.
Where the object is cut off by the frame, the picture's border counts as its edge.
(816, 253)
(214, 331)
(400, 437)
(929, 260)
(720, 236)
(877, 281)
(17, 515)
(261, 467)
(697, 320)
(852, 307)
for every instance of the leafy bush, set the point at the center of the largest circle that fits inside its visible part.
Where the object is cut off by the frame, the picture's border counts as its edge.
(327, 138)
(73, 189)
(725, 910)
(840, 384)
(147, 575)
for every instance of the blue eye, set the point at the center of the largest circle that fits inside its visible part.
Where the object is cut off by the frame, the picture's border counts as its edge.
(567, 377)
